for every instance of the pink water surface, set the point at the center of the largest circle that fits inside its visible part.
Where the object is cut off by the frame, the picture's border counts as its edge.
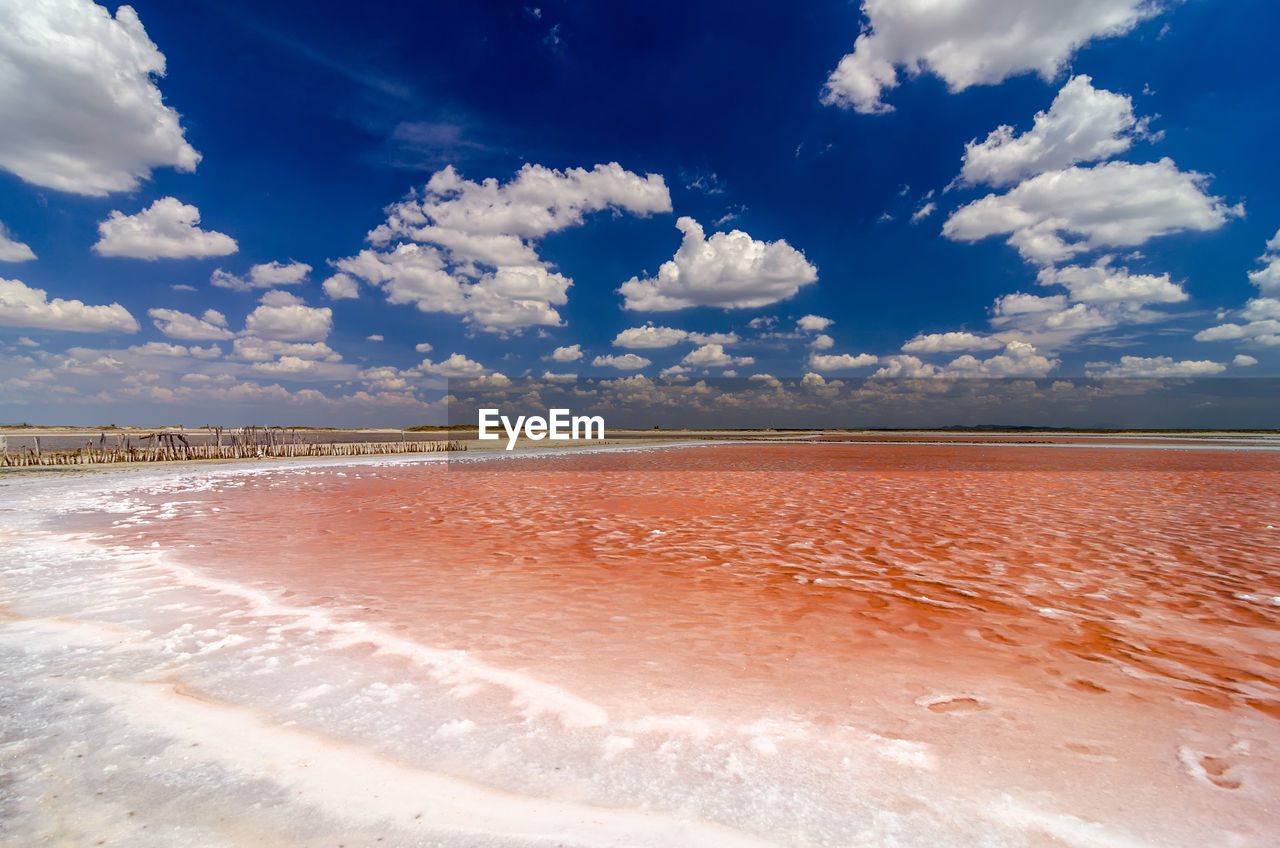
(1107, 624)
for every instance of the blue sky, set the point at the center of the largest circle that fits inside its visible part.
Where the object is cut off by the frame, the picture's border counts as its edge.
(302, 211)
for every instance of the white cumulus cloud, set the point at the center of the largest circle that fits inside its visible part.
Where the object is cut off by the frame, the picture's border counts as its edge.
(283, 316)
(840, 361)
(411, 273)
(279, 273)
(625, 362)
(970, 42)
(819, 385)
(496, 380)
(12, 250)
(1101, 297)
(1101, 283)
(1265, 331)
(291, 367)
(1267, 279)
(1113, 204)
(713, 356)
(385, 378)
(167, 229)
(569, 353)
(255, 349)
(1051, 321)
(82, 110)
(1084, 124)
(1019, 359)
(516, 296)
(263, 276)
(23, 306)
(456, 365)
(729, 270)
(949, 342)
(904, 366)
(180, 325)
(649, 337)
(1155, 367)
(810, 323)
(166, 349)
(341, 287)
(822, 342)
(537, 201)
(469, 248)
(1261, 308)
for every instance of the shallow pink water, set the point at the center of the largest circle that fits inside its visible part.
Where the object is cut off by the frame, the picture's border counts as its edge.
(1076, 631)
(776, 584)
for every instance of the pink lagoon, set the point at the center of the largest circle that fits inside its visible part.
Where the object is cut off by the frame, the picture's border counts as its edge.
(818, 643)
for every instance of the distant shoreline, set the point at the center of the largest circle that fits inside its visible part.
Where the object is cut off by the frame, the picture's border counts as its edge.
(628, 432)
(468, 445)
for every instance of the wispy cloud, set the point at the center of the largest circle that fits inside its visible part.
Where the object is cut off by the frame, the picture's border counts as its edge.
(365, 77)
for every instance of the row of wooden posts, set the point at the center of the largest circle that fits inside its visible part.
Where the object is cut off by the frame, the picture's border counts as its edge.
(222, 443)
